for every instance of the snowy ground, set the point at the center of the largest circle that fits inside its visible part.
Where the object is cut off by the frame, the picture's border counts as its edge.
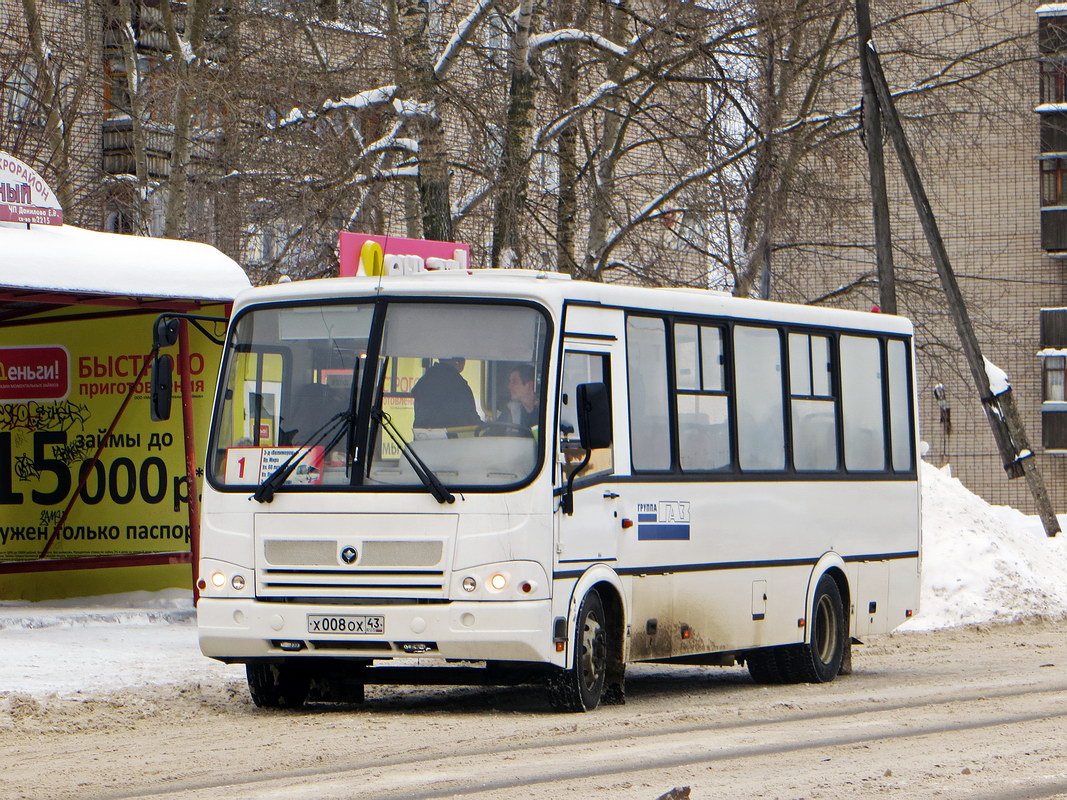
(981, 563)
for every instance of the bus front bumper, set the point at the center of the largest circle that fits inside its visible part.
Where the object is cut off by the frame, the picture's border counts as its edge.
(235, 630)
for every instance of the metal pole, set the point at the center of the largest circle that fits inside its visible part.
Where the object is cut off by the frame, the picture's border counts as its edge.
(872, 134)
(190, 453)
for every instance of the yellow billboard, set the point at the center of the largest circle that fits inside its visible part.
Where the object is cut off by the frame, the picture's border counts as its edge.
(63, 380)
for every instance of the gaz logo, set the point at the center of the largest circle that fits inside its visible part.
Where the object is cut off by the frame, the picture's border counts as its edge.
(663, 520)
(673, 511)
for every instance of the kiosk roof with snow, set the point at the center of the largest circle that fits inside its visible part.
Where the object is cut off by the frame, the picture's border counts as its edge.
(45, 265)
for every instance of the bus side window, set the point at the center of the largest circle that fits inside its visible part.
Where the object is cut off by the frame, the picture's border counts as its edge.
(580, 368)
(760, 417)
(861, 403)
(646, 370)
(901, 435)
(812, 406)
(703, 411)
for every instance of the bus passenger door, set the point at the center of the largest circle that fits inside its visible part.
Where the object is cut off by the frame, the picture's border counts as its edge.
(591, 532)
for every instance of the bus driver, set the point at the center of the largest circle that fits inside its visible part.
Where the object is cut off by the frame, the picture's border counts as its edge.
(443, 399)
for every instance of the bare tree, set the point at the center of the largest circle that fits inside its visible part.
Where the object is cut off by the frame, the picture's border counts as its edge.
(51, 99)
(186, 48)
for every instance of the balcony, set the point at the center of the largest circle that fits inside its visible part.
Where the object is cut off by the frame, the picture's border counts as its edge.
(118, 149)
(151, 35)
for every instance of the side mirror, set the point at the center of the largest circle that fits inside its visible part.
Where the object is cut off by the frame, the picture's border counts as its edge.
(594, 416)
(165, 332)
(162, 387)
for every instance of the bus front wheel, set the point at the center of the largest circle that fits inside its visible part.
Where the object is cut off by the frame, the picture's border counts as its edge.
(581, 687)
(277, 685)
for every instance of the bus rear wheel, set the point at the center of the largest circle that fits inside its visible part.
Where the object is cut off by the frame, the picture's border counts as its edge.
(277, 685)
(764, 665)
(819, 659)
(581, 687)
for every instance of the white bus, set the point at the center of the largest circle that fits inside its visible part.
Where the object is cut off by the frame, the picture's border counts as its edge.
(597, 475)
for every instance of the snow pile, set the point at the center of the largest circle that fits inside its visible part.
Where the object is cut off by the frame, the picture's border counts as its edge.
(984, 563)
(103, 644)
(132, 608)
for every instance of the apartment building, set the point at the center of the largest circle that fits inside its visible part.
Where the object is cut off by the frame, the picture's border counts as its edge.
(992, 169)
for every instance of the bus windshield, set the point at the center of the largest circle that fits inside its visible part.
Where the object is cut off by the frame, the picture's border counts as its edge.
(456, 385)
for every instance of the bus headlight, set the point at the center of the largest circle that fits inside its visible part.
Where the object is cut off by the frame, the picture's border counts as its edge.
(498, 581)
(502, 580)
(224, 579)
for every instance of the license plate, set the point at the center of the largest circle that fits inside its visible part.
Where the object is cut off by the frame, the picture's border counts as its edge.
(346, 623)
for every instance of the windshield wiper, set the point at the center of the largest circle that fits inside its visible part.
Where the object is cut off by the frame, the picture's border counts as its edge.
(275, 481)
(426, 475)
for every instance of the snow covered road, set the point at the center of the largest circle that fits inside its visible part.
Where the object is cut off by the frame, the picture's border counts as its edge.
(964, 713)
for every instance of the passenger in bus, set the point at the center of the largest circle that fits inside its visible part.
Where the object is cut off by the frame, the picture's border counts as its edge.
(443, 398)
(522, 408)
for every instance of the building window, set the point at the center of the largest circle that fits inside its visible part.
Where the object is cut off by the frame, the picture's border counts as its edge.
(116, 89)
(1051, 34)
(1053, 81)
(1054, 407)
(1052, 368)
(20, 100)
(119, 221)
(1053, 355)
(1052, 46)
(1053, 171)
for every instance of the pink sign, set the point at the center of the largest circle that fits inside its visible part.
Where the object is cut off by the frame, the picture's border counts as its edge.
(362, 254)
(24, 196)
(34, 373)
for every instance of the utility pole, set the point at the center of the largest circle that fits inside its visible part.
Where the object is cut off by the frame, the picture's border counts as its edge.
(1003, 416)
(872, 138)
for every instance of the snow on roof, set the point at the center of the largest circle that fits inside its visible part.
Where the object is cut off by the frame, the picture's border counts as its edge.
(1052, 10)
(68, 259)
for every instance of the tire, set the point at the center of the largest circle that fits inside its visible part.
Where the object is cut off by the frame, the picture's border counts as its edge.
(581, 687)
(763, 665)
(277, 685)
(819, 660)
(336, 689)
